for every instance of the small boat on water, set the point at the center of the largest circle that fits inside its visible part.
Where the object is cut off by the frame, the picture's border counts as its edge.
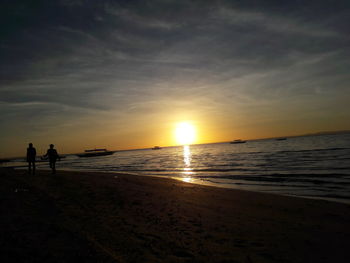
(95, 152)
(238, 141)
(281, 139)
(156, 148)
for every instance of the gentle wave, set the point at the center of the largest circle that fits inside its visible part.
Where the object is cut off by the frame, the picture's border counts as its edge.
(315, 150)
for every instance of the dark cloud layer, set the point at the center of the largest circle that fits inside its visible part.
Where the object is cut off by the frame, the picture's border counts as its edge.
(69, 55)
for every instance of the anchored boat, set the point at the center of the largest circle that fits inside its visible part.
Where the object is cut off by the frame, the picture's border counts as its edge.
(281, 139)
(95, 152)
(238, 141)
(156, 148)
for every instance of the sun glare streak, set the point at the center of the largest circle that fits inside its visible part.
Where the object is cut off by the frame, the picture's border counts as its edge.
(187, 179)
(185, 133)
(187, 170)
(187, 156)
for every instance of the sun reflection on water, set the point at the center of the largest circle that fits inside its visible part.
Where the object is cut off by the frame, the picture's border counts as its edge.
(187, 170)
(187, 156)
(187, 179)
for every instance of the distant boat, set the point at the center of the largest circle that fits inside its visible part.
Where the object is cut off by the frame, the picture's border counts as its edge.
(156, 148)
(95, 152)
(281, 139)
(238, 141)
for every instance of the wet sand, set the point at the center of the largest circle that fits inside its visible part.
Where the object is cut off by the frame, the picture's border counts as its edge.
(103, 217)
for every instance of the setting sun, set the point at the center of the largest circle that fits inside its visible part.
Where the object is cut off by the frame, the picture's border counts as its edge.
(185, 133)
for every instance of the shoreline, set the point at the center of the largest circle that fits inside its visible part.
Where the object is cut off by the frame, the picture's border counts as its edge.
(101, 217)
(196, 181)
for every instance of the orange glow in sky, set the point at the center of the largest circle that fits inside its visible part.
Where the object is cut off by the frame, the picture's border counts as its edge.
(134, 78)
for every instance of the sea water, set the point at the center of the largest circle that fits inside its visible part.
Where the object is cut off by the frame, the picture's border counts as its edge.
(307, 166)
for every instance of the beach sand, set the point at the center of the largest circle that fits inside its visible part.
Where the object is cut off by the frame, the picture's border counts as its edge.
(104, 217)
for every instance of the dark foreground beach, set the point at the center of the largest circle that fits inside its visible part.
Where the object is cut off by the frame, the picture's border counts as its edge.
(97, 217)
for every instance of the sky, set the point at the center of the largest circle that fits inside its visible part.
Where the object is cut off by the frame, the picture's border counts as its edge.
(121, 74)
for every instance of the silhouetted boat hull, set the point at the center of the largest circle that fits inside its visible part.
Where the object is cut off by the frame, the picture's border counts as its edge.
(156, 148)
(237, 142)
(95, 152)
(281, 139)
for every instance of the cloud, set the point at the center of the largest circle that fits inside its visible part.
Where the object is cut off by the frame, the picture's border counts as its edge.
(153, 23)
(69, 59)
(272, 22)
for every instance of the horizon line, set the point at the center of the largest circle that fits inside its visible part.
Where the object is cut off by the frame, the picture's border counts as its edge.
(169, 146)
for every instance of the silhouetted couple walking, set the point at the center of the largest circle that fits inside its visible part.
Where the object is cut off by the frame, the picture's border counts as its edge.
(51, 154)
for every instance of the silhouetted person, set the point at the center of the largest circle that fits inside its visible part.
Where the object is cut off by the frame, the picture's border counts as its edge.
(53, 156)
(31, 154)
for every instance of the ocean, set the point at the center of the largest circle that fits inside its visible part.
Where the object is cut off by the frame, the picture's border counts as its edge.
(307, 166)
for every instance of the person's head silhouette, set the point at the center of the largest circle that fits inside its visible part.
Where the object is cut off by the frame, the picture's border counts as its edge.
(51, 146)
(30, 145)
